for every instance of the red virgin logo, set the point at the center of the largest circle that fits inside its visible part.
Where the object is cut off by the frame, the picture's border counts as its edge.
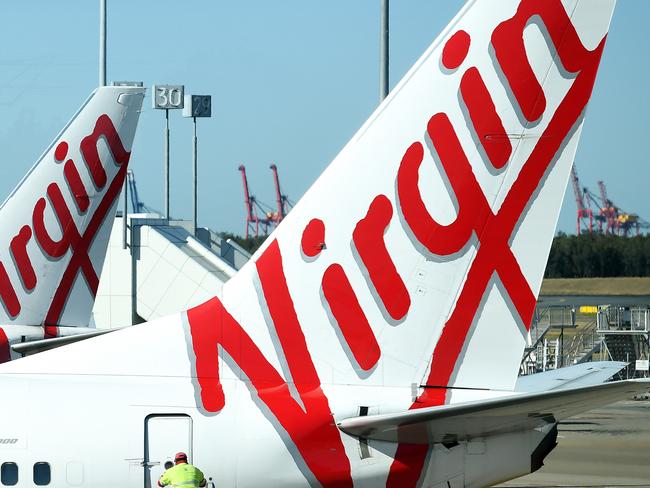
(72, 238)
(307, 425)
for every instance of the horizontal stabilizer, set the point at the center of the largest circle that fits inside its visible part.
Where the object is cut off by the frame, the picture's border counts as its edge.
(463, 421)
(575, 376)
(32, 347)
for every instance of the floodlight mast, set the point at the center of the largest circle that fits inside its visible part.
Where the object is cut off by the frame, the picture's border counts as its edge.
(102, 42)
(167, 97)
(166, 162)
(125, 210)
(383, 56)
(195, 177)
(196, 106)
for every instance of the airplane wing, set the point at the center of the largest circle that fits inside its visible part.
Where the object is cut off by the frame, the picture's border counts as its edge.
(575, 376)
(488, 417)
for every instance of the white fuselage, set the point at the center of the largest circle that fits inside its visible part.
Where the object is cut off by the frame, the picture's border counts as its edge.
(106, 412)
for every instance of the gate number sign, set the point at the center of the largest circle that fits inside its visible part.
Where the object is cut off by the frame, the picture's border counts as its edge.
(168, 96)
(198, 106)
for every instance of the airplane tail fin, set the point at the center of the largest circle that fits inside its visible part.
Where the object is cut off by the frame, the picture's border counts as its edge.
(418, 255)
(57, 221)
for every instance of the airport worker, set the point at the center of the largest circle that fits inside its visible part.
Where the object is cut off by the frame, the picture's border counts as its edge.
(182, 474)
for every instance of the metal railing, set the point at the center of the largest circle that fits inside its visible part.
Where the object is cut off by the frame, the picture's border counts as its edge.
(541, 354)
(614, 319)
(639, 319)
(582, 345)
(564, 316)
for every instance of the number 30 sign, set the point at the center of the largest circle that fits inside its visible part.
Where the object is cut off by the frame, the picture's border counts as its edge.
(168, 96)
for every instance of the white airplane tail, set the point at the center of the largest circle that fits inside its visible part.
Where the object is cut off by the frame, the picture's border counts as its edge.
(417, 257)
(56, 222)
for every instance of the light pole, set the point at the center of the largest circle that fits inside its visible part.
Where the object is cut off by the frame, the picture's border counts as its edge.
(194, 178)
(383, 52)
(196, 106)
(102, 42)
(167, 97)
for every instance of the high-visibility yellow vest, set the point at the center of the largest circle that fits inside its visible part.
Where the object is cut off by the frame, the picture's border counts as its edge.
(182, 475)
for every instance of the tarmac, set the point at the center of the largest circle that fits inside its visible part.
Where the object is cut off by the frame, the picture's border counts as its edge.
(606, 447)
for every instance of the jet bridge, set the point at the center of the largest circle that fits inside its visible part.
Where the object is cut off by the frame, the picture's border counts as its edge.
(163, 269)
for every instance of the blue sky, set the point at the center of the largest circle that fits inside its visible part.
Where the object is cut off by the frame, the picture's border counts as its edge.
(291, 82)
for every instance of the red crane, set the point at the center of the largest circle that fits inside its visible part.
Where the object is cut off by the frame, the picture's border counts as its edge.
(253, 222)
(584, 212)
(618, 222)
(281, 200)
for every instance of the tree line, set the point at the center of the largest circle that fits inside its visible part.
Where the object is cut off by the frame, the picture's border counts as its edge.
(598, 256)
(583, 256)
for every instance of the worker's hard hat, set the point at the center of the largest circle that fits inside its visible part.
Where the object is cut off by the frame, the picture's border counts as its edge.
(180, 456)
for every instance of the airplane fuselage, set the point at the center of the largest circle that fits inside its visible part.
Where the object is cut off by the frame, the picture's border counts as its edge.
(116, 424)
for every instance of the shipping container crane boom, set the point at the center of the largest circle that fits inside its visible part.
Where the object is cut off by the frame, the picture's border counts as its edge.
(608, 211)
(248, 202)
(576, 189)
(583, 211)
(603, 192)
(279, 197)
(253, 221)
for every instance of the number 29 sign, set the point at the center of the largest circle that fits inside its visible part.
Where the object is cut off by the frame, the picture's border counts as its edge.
(168, 96)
